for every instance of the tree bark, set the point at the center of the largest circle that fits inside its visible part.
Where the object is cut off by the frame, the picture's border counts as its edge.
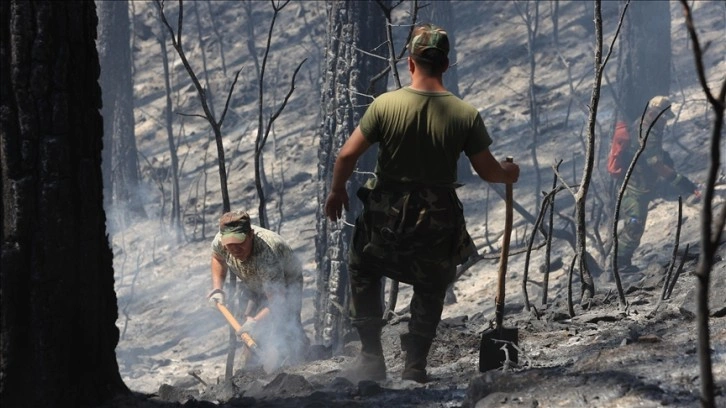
(58, 327)
(120, 157)
(175, 214)
(347, 73)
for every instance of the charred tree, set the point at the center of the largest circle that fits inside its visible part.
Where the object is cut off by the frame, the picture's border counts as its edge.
(352, 26)
(204, 95)
(205, 98)
(264, 127)
(175, 214)
(588, 284)
(58, 326)
(645, 55)
(120, 157)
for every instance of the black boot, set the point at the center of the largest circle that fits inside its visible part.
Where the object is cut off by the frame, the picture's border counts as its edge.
(370, 364)
(417, 351)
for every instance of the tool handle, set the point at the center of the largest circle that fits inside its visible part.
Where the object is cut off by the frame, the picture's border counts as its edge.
(504, 256)
(249, 341)
(245, 337)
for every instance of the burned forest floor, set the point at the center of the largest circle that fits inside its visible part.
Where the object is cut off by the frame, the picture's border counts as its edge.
(642, 355)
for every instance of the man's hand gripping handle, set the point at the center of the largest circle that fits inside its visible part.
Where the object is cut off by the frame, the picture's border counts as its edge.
(245, 337)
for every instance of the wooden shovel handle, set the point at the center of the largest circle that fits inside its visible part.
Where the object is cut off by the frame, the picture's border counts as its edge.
(246, 338)
(499, 312)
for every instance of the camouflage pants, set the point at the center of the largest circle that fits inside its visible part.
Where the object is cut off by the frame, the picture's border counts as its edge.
(634, 212)
(413, 236)
(427, 303)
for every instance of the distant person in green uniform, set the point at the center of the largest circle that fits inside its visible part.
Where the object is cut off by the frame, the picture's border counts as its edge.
(412, 227)
(271, 276)
(654, 176)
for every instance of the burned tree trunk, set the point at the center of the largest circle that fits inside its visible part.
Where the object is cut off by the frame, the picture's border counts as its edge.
(120, 158)
(645, 46)
(352, 26)
(58, 331)
(175, 214)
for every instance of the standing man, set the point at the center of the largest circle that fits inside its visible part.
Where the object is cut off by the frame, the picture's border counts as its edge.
(653, 176)
(412, 227)
(271, 275)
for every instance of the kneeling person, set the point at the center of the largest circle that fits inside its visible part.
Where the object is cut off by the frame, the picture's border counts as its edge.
(271, 275)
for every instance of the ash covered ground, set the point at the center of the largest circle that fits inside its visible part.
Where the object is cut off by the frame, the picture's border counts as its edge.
(605, 356)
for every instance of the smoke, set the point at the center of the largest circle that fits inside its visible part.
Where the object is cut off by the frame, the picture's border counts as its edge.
(119, 215)
(280, 336)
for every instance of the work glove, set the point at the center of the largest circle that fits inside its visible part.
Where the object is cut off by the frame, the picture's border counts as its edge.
(214, 297)
(248, 326)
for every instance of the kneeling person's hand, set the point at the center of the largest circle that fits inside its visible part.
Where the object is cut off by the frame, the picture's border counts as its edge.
(214, 297)
(248, 326)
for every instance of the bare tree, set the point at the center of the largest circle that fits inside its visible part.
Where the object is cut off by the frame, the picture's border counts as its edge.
(588, 285)
(529, 13)
(711, 230)
(216, 125)
(220, 38)
(555, 17)
(175, 214)
(203, 51)
(121, 165)
(58, 331)
(264, 127)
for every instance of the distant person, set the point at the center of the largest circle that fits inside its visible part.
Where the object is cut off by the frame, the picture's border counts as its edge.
(412, 227)
(271, 275)
(654, 176)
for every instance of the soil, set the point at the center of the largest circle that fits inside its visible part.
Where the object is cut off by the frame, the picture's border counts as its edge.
(173, 347)
(604, 356)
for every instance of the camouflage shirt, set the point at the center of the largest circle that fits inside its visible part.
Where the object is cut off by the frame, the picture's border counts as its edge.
(645, 178)
(271, 263)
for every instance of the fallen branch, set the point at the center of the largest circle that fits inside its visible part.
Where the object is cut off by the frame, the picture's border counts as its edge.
(197, 377)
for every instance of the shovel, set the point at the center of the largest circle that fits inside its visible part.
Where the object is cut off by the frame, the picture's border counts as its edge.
(498, 345)
(245, 337)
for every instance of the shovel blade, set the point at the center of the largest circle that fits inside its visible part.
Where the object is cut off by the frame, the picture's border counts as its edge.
(491, 352)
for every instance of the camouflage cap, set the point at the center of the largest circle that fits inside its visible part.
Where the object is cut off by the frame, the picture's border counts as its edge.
(658, 103)
(234, 227)
(427, 37)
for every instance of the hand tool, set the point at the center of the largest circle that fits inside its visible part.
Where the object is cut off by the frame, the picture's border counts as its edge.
(245, 337)
(499, 344)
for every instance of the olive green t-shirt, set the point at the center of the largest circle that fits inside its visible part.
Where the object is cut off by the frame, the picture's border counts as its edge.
(421, 134)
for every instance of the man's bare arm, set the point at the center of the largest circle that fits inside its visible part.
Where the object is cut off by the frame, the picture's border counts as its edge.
(353, 148)
(489, 169)
(219, 273)
(348, 156)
